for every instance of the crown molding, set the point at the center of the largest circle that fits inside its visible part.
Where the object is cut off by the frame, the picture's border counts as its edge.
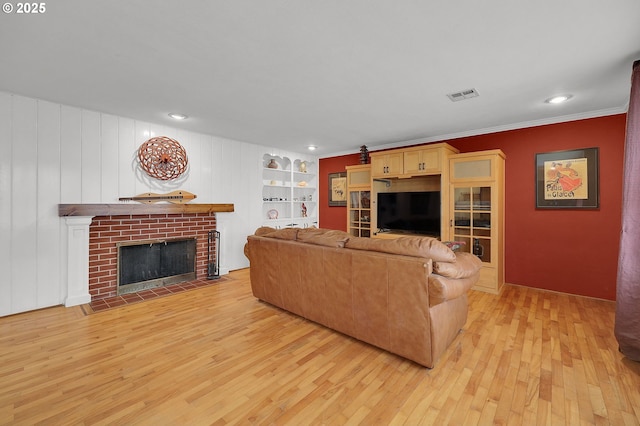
(495, 129)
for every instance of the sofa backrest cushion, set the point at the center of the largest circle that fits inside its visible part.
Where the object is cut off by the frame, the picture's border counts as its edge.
(465, 266)
(281, 234)
(323, 237)
(264, 230)
(426, 247)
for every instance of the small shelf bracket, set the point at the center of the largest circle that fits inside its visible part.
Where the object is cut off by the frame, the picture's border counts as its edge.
(387, 182)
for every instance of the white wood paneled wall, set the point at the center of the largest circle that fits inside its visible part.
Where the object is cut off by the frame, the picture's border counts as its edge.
(52, 153)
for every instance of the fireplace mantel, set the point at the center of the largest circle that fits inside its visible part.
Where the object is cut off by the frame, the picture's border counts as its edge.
(136, 209)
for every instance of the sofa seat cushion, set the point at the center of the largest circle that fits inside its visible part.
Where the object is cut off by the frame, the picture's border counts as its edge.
(426, 247)
(442, 288)
(465, 265)
(323, 237)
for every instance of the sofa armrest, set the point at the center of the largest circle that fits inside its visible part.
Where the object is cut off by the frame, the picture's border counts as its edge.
(465, 265)
(442, 288)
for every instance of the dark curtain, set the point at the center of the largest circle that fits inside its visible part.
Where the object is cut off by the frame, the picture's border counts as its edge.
(627, 328)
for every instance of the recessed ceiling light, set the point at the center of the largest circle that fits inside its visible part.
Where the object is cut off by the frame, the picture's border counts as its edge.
(558, 99)
(177, 116)
(312, 147)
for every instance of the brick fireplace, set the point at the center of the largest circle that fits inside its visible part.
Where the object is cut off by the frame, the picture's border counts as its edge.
(106, 231)
(93, 230)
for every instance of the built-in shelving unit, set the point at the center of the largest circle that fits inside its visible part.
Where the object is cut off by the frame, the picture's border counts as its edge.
(421, 168)
(359, 200)
(477, 211)
(289, 192)
(471, 188)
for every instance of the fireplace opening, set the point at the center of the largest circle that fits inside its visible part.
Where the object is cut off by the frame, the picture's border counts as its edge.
(155, 263)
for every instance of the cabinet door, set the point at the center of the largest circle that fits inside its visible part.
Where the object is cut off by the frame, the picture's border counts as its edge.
(378, 165)
(476, 221)
(359, 176)
(472, 168)
(395, 164)
(473, 220)
(422, 162)
(387, 165)
(413, 162)
(431, 162)
(359, 213)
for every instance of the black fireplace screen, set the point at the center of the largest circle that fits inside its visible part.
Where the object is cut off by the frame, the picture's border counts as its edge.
(155, 260)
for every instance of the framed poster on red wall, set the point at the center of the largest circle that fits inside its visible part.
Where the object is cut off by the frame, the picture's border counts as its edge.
(568, 179)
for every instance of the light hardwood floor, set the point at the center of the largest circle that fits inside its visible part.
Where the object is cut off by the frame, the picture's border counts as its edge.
(216, 355)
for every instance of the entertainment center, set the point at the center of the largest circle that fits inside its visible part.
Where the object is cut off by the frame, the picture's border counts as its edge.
(433, 190)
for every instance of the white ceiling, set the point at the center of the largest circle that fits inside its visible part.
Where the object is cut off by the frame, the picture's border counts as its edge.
(334, 73)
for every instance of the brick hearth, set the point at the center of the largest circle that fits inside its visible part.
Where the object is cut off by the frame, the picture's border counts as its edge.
(106, 231)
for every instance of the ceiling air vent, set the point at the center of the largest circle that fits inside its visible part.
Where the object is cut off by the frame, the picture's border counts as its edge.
(464, 94)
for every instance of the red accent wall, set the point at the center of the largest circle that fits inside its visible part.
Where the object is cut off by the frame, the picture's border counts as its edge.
(332, 217)
(570, 251)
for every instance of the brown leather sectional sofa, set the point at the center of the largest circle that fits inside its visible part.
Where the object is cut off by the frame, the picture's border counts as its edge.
(406, 295)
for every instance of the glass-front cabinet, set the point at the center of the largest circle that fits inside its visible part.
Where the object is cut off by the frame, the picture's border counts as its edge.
(359, 200)
(477, 212)
(360, 213)
(472, 219)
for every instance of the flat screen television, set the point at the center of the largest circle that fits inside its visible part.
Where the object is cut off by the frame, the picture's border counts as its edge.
(414, 212)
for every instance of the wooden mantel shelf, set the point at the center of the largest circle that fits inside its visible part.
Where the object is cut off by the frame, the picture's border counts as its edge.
(136, 209)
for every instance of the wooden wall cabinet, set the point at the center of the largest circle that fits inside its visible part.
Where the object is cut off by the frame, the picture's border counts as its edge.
(476, 206)
(422, 161)
(413, 161)
(359, 200)
(387, 164)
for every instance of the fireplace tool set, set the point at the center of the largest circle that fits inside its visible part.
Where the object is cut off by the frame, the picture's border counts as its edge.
(213, 255)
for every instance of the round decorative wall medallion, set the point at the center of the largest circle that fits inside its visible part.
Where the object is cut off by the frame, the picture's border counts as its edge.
(163, 158)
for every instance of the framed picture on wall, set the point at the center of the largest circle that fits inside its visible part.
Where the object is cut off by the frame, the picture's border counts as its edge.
(337, 189)
(568, 179)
